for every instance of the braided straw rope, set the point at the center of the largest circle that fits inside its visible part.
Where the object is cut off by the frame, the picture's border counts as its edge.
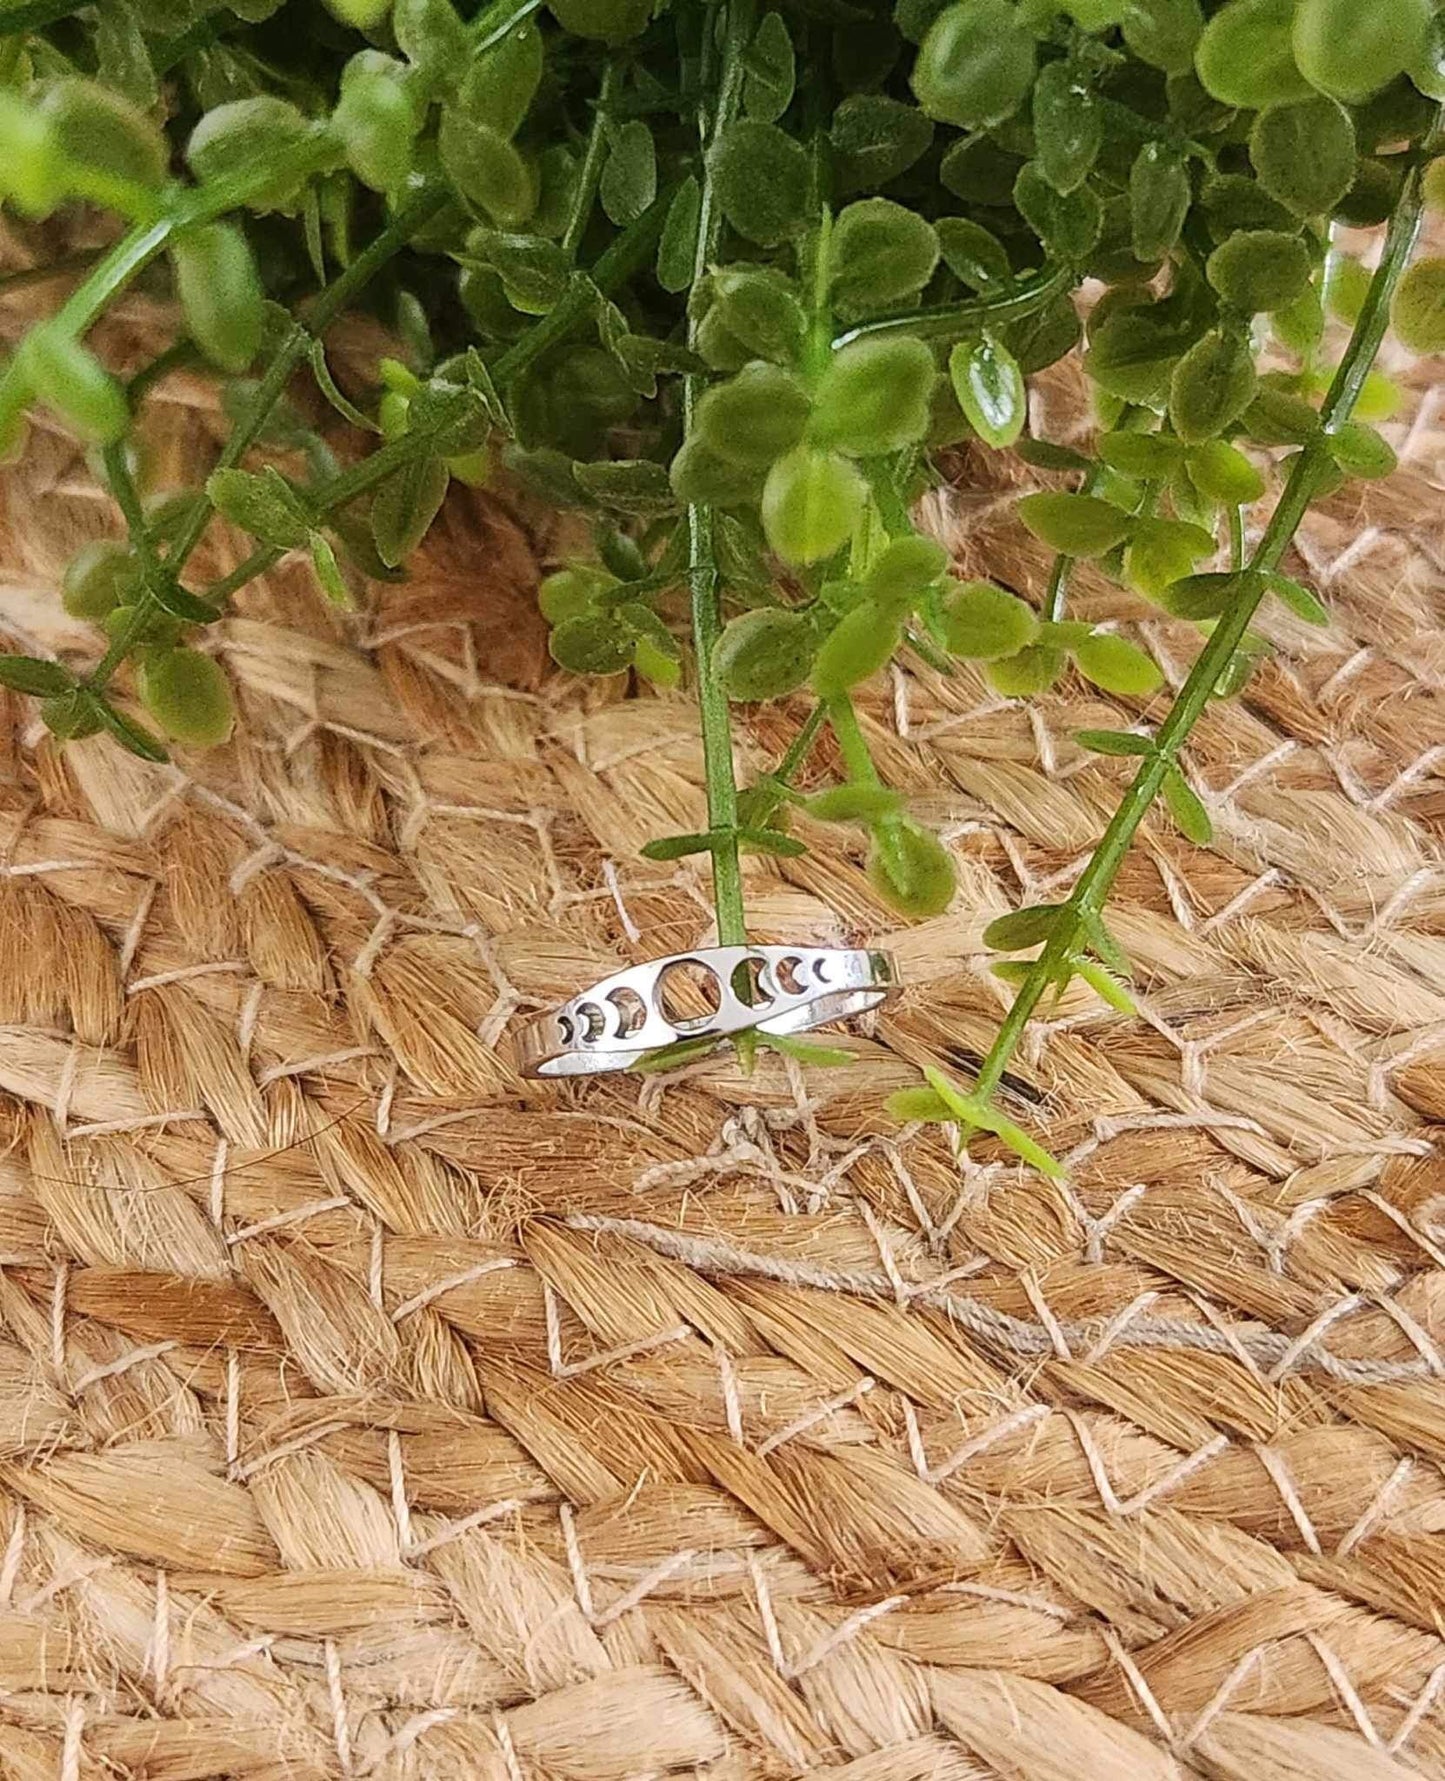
(366, 1412)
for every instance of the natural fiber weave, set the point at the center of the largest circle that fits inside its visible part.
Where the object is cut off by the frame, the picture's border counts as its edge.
(365, 1411)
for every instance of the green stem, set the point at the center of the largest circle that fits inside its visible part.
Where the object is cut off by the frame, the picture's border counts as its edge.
(704, 583)
(843, 721)
(1052, 609)
(612, 268)
(800, 747)
(945, 321)
(1089, 893)
(499, 21)
(329, 499)
(324, 310)
(592, 159)
(1236, 538)
(185, 208)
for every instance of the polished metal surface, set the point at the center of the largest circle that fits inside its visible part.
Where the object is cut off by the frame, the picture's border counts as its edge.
(777, 989)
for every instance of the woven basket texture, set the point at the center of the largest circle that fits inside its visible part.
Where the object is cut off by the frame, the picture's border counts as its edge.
(368, 1412)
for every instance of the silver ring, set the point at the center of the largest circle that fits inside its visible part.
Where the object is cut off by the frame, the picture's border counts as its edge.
(775, 989)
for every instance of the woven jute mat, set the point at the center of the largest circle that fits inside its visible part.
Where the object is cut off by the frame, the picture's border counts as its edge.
(366, 1411)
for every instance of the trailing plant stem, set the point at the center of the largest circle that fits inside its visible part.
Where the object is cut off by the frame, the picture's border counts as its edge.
(1095, 882)
(327, 307)
(951, 321)
(704, 582)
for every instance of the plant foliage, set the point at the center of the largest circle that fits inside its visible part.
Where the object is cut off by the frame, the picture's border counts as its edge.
(729, 275)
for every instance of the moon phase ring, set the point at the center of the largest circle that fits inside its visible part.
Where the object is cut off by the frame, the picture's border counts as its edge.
(774, 989)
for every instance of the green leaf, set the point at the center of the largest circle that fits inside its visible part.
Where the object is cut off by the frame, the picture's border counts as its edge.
(433, 38)
(990, 389)
(975, 65)
(874, 396)
(1032, 670)
(772, 842)
(862, 642)
(262, 503)
(376, 120)
(905, 569)
(1221, 472)
(874, 139)
(760, 308)
(760, 176)
(803, 1051)
(1162, 551)
(606, 21)
(681, 847)
(972, 253)
(811, 502)
(69, 379)
(100, 576)
(879, 253)
(1186, 808)
(702, 477)
(910, 869)
(178, 602)
(405, 506)
(627, 485)
(1163, 33)
(1260, 269)
(1350, 50)
(1245, 57)
(1102, 943)
(1117, 665)
(1114, 742)
(629, 179)
(122, 55)
(592, 644)
(908, 1105)
(29, 674)
(1299, 599)
(968, 1110)
(132, 737)
(328, 571)
(1278, 417)
(1044, 454)
(1069, 227)
(982, 622)
(231, 138)
(220, 292)
(1104, 985)
(677, 250)
(1362, 451)
(1417, 311)
(764, 654)
(1159, 199)
(1022, 928)
(1149, 457)
(1200, 596)
(770, 70)
(499, 86)
(854, 803)
(755, 417)
(1068, 125)
(1074, 525)
(1304, 154)
(486, 169)
(187, 694)
(1212, 385)
(94, 127)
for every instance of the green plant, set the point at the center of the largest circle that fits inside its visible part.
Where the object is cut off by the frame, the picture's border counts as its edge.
(730, 278)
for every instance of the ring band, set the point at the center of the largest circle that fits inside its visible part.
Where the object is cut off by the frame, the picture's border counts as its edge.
(774, 989)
